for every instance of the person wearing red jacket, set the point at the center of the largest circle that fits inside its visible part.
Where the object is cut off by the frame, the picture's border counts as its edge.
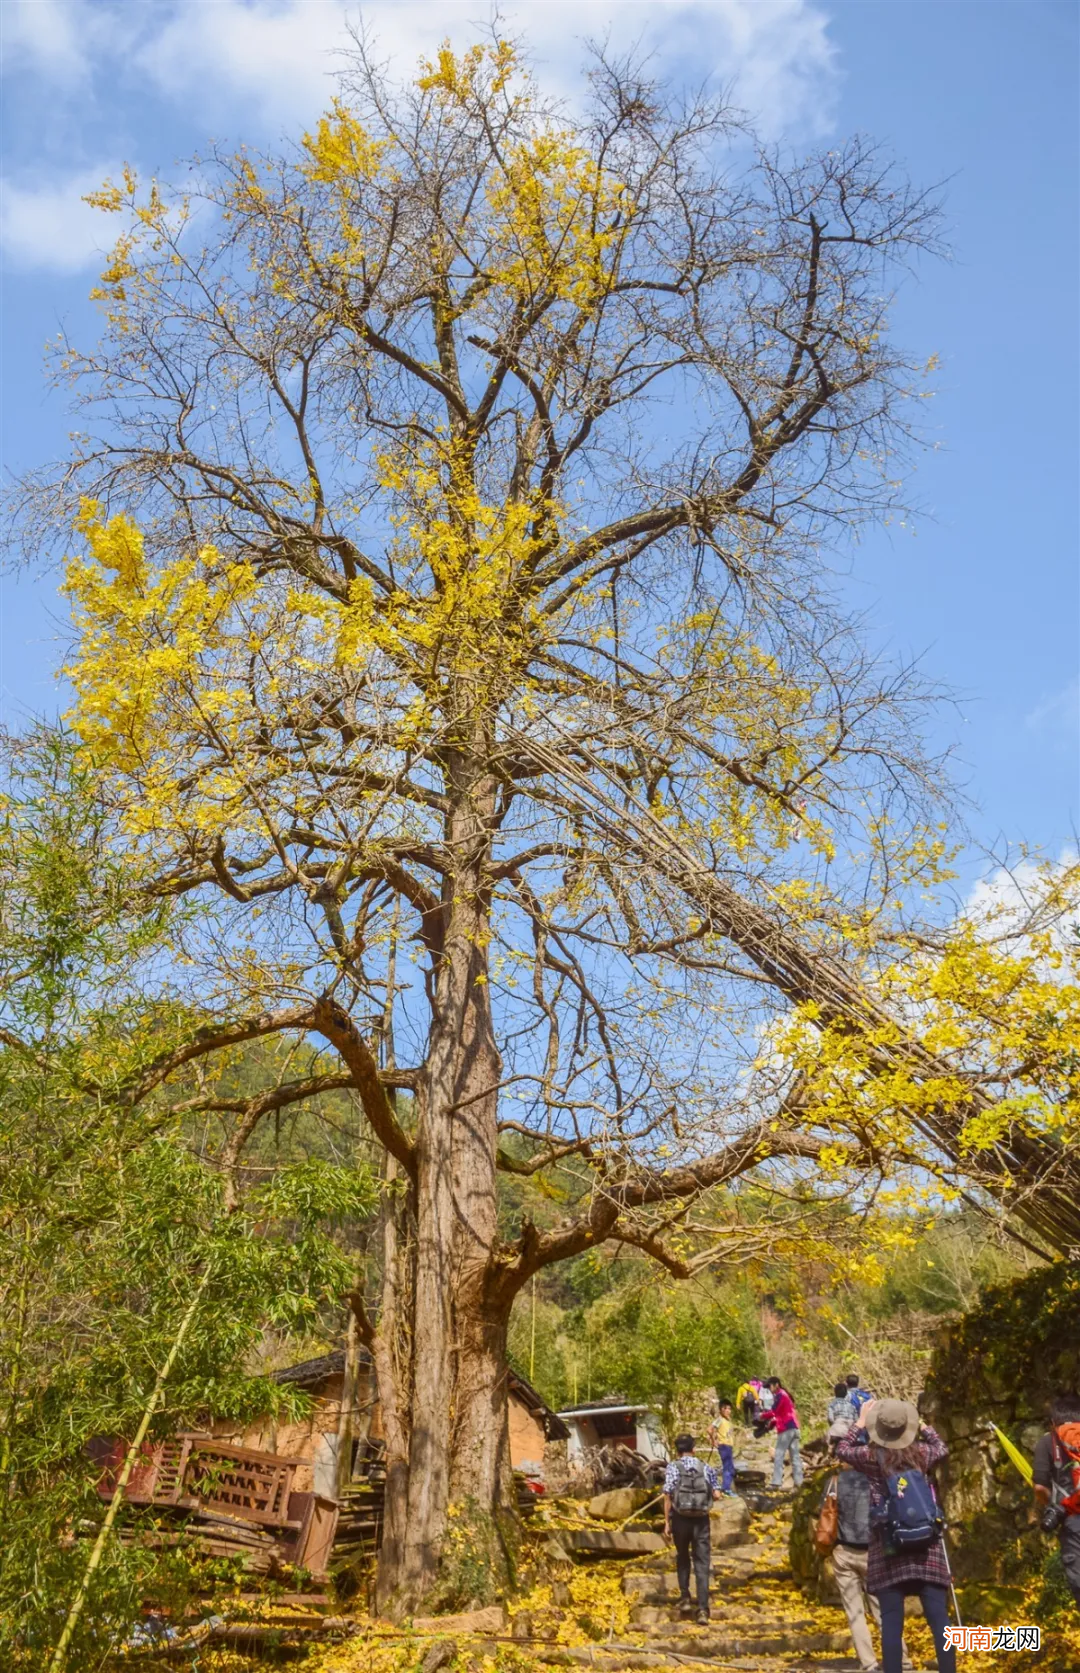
(785, 1420)
(1056, 1480)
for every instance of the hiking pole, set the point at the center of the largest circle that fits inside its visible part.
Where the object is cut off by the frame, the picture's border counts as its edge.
(945, 1554)
(952, 1586)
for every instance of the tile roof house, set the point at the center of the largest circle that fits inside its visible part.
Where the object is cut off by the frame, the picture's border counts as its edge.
(315, 1438)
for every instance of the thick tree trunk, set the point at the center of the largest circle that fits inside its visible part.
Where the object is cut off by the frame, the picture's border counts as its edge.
(457, 1454)
(456, 1405)
(391, 1351)
(480, 1435)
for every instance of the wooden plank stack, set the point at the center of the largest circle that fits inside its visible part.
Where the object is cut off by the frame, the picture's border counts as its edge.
(229, 1500)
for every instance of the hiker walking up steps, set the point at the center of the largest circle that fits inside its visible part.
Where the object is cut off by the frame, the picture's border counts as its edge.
(906, 1557)
(1056, 1480)
(785, 1420)
(850, 1554)
(840, 1408)
(722, 1435)
(689, 1490)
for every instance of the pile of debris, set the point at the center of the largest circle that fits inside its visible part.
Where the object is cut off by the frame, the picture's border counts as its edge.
(221, 1500)
(601, 1469)
(227, 1501)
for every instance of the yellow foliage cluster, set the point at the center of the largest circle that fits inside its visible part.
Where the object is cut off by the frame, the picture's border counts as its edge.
(556, 217)
(1000, 1014)
(560, 221)
(470, 562)
(165, 656)
(341, 149)
(149, 671)
(479, 72)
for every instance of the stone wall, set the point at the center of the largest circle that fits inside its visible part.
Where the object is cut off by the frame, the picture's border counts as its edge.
(1001, 1363)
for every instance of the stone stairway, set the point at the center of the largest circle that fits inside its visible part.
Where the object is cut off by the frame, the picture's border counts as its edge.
(759, 1621)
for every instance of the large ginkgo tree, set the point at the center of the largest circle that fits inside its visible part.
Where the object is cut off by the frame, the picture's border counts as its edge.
(452, 610)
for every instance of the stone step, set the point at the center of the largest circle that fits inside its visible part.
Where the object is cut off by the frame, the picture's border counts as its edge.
(621, 1503)
(752, 1561)
(798, 1638)
(606, 1542)
(753, 1551)
(749, 1658)
(728, 1546)
(739, 1571)
(729, 1590)
(658, 1619)
(739, 1600)
(665, 1622)
(734, 1556)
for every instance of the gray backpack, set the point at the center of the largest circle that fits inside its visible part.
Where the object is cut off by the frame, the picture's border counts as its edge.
(692, 1495)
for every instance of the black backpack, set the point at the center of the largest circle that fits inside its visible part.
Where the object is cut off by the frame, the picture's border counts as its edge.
(692, 1495)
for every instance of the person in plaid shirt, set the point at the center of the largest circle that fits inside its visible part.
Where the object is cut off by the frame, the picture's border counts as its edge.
(889, 1438)
(691, 1533)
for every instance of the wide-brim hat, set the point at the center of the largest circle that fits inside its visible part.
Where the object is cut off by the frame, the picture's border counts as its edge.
(892, 1423)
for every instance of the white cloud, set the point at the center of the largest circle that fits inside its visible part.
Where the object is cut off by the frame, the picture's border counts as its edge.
(1059, 714)
(281, 55)
(281, 58)
(1012, 899)
(284, 53)
(49, 36)
(48, 226)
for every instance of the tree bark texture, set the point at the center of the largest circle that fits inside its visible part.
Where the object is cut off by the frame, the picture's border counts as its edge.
(451, 1439)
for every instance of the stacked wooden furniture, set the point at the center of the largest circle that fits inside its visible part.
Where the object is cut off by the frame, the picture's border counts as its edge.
(232, 1499)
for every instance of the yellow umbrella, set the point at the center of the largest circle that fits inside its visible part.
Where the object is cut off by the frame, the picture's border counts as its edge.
(1014, 1453)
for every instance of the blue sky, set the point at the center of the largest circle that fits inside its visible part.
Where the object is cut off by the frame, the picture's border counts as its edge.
(982, 94)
